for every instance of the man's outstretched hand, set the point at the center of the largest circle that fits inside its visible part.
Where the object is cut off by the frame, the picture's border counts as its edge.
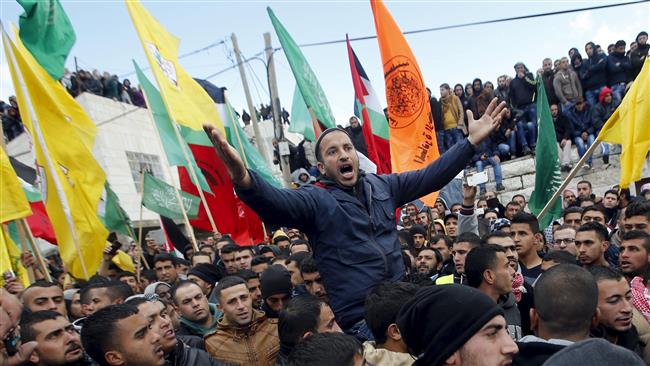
(230, 156)
(480, 129)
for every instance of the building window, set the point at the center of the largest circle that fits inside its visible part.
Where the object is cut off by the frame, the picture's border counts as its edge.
(139, 162)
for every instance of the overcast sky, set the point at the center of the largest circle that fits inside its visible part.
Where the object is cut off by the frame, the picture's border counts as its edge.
(107, 41)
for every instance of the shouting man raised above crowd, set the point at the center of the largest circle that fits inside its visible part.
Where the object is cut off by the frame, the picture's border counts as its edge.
(349, 216)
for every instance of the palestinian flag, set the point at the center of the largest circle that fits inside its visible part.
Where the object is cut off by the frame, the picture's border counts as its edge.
(371, 115)
(175, 240)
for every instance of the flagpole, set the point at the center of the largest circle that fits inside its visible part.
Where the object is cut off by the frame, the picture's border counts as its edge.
(141, 208)
(569, 177)
(190, 166)
(55, 177)
(24, 228)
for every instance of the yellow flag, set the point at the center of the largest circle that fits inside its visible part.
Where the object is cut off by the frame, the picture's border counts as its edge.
(10, 258)
(186, 101)
(629, 126)
(13, 203)
(72, 180)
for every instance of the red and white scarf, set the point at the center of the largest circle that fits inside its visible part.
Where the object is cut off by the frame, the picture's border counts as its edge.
(641, 297)
(518, 286)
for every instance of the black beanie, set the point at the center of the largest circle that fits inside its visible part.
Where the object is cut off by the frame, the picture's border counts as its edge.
(440, 319)
(418, 229)
(275, 280)
(319, 157)
(207, 272)
(643, 33)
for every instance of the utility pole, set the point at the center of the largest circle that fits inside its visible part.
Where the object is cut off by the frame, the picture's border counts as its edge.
(275, 107)
(251, 107)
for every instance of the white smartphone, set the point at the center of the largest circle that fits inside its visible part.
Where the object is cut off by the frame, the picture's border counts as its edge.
(477, 178)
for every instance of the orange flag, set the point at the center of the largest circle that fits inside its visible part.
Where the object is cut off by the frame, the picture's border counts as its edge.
(413, 142)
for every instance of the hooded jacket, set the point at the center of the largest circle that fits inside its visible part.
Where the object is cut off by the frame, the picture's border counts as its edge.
(594, 71)
(581, 121)
(295, 177)
(352, 230)
(254, 344)
(602, 111)
(522, 90)
(637, 57)
(618, 67)
(383, 357)
(356, 135)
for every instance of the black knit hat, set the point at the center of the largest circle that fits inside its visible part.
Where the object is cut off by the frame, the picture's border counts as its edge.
(320, 138)
(275, 280)
(418, 229)
(439, 320)
(207, 272)
(643, 33)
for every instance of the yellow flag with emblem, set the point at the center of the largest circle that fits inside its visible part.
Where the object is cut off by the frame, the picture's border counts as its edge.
(14, 204)
(629, 127)
(10, 259)
(71, 179)
(186, 101)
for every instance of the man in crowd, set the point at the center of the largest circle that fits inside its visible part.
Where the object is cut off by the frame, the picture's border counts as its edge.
(98, 295)
(119, 335)
(325, 349)
(488, 269)
(198, 317)
(464, 244)
(522, 92)
(352, 252)
(600, 114)
(312, 279)
(512, 208)
(502, 91)
(572, 216)
(206, 275)
(382, 306)
(254, 287)
(615, 310)
(592, 243)
(239, 322)
(356, 135)
(130, 279)
(227, 256)
(566, 84)
(243, 257)
(583, 133)
(276, 287)
(548, 75)
(303, 316)
(43, 295)
(637, 216)
(419, 235)
(618, 69)
(594, 214)
(463, 327)
(564, 239)
(559, 321)
(635, 253)
(563, 135)
(427, 261)
(166, 268)
(260, 263)
(593, 73)
(638, 56)
(58, 342)
(524, 230)
(451, 224)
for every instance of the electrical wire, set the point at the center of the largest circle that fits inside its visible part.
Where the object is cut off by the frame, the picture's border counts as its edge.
(446, 27)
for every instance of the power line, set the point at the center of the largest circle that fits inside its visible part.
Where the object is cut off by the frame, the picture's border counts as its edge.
(462, 25)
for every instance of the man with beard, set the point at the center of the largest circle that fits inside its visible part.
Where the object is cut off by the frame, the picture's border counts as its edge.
(427, 261)
(615, 310)
(350, 216)
(356, 135)
(58, 342)
(548, 75)
(198, 317)
(502, 90)
(488, 269)
(566, 84)
(120, 335)
(638, 56)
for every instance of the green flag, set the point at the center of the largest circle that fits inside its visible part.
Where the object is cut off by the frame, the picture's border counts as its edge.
(547, 163)
(160, 198)
(305, 77)
(165, 128)
(239, 140)
(47, 33)
(300, 117)
(112, 215)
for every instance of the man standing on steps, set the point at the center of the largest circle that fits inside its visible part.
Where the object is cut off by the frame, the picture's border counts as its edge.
(349, 215)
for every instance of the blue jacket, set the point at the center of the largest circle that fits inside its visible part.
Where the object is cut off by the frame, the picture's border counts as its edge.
(355, 243)
(581, 121)
(618, 66)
